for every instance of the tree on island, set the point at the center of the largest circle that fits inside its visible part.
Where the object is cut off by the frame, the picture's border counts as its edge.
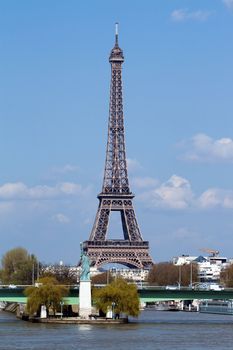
(46, 292)
(118, 296)
(18, 267)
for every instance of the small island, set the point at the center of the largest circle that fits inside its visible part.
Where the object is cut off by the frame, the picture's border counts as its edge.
(113, 303)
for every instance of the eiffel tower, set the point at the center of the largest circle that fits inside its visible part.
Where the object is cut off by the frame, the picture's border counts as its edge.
(131, 251)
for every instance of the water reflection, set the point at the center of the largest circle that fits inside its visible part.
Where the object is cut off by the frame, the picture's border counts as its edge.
(84, 327)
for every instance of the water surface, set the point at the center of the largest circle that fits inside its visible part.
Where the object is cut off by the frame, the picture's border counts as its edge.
(152, 330)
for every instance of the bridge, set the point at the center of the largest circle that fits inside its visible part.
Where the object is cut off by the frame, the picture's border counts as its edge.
(146, 294)
(153, 294)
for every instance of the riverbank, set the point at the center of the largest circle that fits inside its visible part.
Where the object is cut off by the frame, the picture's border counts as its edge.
(76, 320)
(19, 311)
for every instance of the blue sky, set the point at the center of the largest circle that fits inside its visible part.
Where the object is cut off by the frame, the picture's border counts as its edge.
(178, 103)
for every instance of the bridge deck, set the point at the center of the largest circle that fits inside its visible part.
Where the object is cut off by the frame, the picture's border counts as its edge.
(147, 294)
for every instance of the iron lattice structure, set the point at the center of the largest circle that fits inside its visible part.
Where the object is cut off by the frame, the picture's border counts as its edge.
(131, 251)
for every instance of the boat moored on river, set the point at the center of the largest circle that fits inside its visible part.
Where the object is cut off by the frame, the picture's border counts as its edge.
(223, 307)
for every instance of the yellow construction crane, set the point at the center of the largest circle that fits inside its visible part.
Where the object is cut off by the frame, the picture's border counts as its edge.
(212, 252)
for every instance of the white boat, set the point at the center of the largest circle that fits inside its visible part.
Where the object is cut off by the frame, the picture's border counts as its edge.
(162, 306)
(223, 307)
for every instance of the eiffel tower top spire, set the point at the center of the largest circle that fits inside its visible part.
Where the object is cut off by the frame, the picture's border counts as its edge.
(116, 34)
(116, 54)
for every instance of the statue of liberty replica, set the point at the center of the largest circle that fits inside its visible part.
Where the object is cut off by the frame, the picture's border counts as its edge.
(85, 265)
(84, 286)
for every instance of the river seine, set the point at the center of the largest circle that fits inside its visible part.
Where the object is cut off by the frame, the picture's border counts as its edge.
(151, 331)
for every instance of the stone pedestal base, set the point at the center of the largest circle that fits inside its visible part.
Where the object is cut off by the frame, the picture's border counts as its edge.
(43, 312)
(85, 299)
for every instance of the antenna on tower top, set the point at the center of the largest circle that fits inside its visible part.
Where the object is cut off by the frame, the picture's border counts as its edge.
(116, 33)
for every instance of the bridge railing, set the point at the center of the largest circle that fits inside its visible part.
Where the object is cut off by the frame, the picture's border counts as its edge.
(140, 286)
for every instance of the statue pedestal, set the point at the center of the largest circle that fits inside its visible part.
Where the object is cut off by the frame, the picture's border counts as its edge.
(85, 299)
(43, 312)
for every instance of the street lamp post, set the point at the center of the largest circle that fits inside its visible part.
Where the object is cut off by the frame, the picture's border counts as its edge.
(179, 276)
(33, 273)
(38, 271)
(191, 274)
(61, 303)
(113, 305)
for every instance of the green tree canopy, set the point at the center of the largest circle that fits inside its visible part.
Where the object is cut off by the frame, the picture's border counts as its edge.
(119, 293)
(18, 267)
(166, 273)
(46, 292)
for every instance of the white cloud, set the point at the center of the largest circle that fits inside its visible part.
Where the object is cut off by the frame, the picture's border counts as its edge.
(181, 15)
(68, 168)
(70, 188)
(176, 193)
(182, 233)
(144, 182)
(215, 197)
(61, 218)
(228, 4)
(205, 149)
(209, 198)
(12, 190)
(87, 221)
(59, 172)
(133, 164)
(15, 191)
